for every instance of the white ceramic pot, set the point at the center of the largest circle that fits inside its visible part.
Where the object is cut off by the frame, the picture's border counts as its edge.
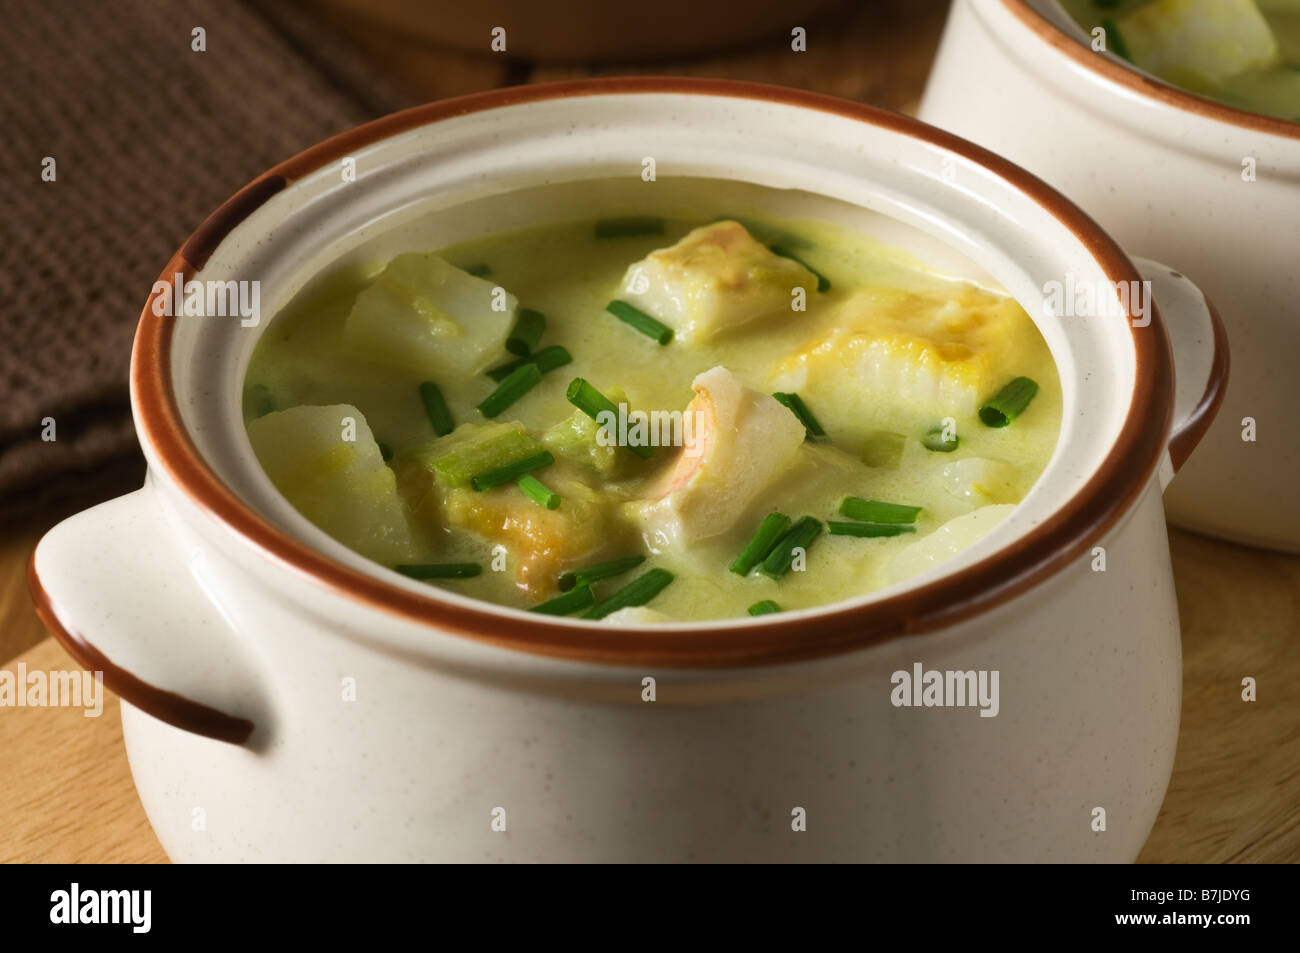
(283, 699)
(1164, 171)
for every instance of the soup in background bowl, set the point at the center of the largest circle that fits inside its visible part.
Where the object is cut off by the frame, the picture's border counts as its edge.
(794, 415)
(1243, 53)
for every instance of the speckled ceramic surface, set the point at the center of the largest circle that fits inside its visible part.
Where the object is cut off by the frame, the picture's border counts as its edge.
(365, 717)
(1209, 189)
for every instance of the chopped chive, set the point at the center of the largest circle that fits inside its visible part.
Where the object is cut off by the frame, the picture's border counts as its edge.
(520, 382)
(1010, 402)
(769, 533)
(582, 577)
(870, 530)
(539, 492)
(568, 603)
(587, 399)
(547, 359)
(529, 327)
(874, 511)
(258, 401)
(636, 593)
(638, 319)
(1116, 39)
(511, 471)
(385, 451)
(797, 407)
(766, 607)
(593, 403)
(781, 558)
(440, 570)
(628, 226)
(481, 270)
(823, 283)
(436, 408)
(935, 440)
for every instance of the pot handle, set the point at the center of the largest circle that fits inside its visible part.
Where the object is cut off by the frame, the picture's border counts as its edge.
(114, 587)
(1199, 345)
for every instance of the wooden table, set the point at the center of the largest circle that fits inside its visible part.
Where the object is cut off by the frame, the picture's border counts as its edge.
(65, 788)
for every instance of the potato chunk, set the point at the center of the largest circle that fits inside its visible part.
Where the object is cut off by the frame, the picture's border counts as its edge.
(1192, 42)
(426, 315)
(341, 485)
(741, 441)
(937, 352)
(946, 541)
(716, 278)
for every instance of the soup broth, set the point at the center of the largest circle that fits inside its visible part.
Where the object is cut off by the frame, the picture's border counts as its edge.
(441, 413)
(1243, 53)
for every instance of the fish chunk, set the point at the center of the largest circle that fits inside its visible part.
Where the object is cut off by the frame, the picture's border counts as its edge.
(741, 441)
(540, 543)
(424, 314)
(716, 278)
(940, 351)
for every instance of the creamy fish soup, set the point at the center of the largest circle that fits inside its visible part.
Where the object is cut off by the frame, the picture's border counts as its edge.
(1244, 53)
(654, 419)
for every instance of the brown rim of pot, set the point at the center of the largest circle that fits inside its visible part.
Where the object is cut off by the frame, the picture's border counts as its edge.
(1046, 549)
(1147, 85)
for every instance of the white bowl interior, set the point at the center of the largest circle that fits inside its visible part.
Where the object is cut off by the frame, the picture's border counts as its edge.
(578, 157)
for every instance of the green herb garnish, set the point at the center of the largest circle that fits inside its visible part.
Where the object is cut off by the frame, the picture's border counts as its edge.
(764, 539)
(935, 440)
(874, 511)
(511, 471)
(638, 319)
(636, 593)
(529, 327)
(823, 283)
(1116, 39)
(781, 558)
(1009, 403)
(547, 359)
(568, 603)
(436, 409)
(797, 407)
(593, 403)
(581, 577)
(871, 530)
(520, 382)
(539, 492)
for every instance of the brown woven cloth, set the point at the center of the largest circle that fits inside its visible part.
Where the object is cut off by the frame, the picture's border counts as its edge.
(148, 136)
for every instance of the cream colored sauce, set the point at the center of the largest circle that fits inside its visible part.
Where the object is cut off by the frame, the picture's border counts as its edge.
(570, 276)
